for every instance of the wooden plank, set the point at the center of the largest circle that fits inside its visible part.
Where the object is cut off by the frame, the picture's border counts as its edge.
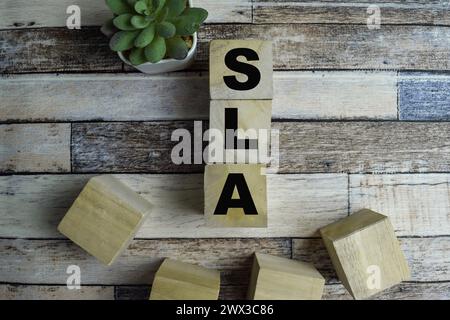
(423, 96)
(32, 206)
(334, 46)
(52, 13)
(428, 258)
(181, 96)
(42, 292)
(417, 204)
(46, 261)
(56, 50)
(403, 291)
(35, 148)
(305, 147)
(351, 12)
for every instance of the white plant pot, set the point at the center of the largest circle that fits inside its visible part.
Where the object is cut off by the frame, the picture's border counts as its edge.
(167, 65)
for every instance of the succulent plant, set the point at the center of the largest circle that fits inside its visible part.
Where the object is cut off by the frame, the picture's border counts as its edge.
(151, 30)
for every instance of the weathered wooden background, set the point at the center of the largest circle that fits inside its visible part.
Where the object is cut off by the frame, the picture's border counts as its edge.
(363, 116)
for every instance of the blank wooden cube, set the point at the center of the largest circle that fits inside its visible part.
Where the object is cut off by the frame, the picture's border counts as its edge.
(176, 280)
(365, 253)
(240, 69)
(105, 217)
(275, 278)
(252, 121)
(243, 188)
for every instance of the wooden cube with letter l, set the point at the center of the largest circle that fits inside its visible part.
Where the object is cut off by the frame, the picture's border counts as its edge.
(235, 195)
(176, 280)
(276, 278)
(241, 128)
(105, 217)
(365, 253)
(241, 69)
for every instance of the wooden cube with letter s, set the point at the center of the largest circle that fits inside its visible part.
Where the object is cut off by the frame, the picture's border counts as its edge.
(240, 70)
(365, 253)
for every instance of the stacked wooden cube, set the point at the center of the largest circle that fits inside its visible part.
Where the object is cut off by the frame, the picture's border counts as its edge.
(241, 92)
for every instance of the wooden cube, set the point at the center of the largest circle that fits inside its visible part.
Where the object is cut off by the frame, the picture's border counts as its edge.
(250, 121)
(176, 280)
(240, 69)
(365, 253)
(275, 278)
(105, 217)
(235, 195)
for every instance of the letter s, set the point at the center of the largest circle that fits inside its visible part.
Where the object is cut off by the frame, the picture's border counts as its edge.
(252, 72)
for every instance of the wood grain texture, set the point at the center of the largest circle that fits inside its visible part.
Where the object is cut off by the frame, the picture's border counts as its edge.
(305, 147)
(424, 96)
(49, 292)
(403, 291)
(427, 258)
(35, 148)
(46, 261)
(363, 147)
(394, 47)
(52, 13)
(357, 243)
(32, 206)
(183, 96)
(417, 204)
(350, 12)
(56, 50)
(298, 46)
(105, 217)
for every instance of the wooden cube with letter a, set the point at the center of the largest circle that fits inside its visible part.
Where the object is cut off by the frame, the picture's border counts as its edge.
(365, 253)
(240, 69)
(235, 195)
(242, 128)
(176, 280)
(275, 278)
(105, 217)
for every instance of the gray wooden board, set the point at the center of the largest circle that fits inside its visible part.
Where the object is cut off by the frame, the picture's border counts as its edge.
(31, 206)
(305, 147)
(351, 12)
(185, 95)
(329, 47)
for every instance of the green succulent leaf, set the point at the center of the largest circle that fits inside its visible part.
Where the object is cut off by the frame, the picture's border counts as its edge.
(145, 37)
(137, 56)
(199, 15)
(176, 7)
(139, 22)
(131, 3)
(177, 48)
(123, 40)
(119, 6)
(141, 7)
(166, 29)
(123, 22)
(158, 5)
(156, 50)
(108, 28)
(190, 20)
